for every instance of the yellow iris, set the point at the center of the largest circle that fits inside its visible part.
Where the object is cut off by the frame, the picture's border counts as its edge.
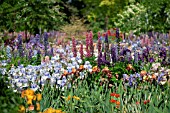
(29, 92)
(23, 94)
(38, 106)
(51, 110)
(39, 97)
(30, 97)
(34, 97)
(75, 97)
(68, 98)
(58, 111)
(22, 109)
(29, 102)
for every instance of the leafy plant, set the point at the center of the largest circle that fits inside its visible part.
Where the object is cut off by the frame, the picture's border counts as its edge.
(9, 99)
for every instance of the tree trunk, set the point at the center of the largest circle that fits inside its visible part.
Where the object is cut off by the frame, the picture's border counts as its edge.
(106, 23)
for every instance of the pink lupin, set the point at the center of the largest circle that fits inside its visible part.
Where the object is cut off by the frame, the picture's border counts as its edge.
(91, 43)
(74, 50)
(81, 51)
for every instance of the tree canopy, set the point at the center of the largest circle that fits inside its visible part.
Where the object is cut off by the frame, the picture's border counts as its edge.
(30, 15)
(135, 15)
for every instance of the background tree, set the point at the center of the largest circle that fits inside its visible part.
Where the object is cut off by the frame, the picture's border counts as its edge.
(144, 15)
(158, 14)
(100, 12)
(30, 15)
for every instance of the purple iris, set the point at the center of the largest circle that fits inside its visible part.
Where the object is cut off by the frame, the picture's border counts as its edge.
(20, 49)
(46, 43)
(163, 53)
(151, 60)
(117, 32)
(106, 38)
(99, 60)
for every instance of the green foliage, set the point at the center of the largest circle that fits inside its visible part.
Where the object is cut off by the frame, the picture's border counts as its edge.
(30, 15)
(9, 100)
(133, 18)
(144, 15)
(158, 14)
(91, 60)
(95, 98)
(36, 60)
(100, 12)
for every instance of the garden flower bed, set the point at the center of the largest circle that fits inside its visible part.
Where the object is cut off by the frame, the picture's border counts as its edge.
(111, 75)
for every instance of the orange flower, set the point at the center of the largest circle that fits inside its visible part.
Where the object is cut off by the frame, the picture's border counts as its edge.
(81, 67)
(98, 70)
(117, 102)
(117, 95)
(73, 70)
(23, 94)
(31, 108)
(117, 76)
(154, 76)
(129, 67)
(105, 69)
(142, 73)
(94, 69)
(47, 59)
(68, 98)
(117, 106)
(113, 101)
(137, 103)
(112, 94)
(65, 73)
(146, 101)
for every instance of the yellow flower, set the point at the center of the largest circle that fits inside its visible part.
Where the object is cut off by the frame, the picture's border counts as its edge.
(49, 110)
(29, 102)
(34, 97)
(145, 78)
(75, 97)
(38, 106)
(22, 109)
(29, 92)
(129, 66)
(30, 97)
(58, 111)
(39, 97)
(68, 98)
(23, 94)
